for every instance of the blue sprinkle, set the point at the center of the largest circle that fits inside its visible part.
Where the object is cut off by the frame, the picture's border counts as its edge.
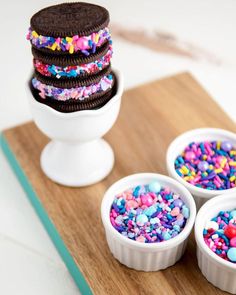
(73, 73)
(181, 160)
(169, 217)
(166, 236)
(179, 173)
(136, 191)
(150, 211)
(202, 147)
(176, 227)
(154, 187)
(185, 211)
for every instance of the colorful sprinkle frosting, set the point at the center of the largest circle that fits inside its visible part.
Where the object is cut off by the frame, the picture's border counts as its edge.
(85, 44)
(210, 165)
(77, 93)
(149, 213)
(74, 71)
(220, 235)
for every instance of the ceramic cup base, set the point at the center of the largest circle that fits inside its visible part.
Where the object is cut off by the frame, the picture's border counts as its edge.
(77, 165)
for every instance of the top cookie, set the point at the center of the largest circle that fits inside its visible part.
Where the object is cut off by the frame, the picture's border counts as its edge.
(69, 19)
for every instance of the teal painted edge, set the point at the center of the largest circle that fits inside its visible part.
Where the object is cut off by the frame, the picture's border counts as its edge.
(49, 226)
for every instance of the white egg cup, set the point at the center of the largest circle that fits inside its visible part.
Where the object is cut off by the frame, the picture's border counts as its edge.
(77, 155)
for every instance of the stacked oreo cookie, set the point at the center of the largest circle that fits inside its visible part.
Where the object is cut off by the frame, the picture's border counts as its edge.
(72, 51)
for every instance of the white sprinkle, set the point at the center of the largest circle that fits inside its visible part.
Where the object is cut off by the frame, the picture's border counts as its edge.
(159, 197)
(212, 224)
(167, 208)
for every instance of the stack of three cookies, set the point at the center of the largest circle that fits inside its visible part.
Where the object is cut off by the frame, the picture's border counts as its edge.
(72, 51)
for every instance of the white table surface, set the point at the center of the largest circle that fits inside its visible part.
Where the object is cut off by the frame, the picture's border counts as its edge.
(29, 262)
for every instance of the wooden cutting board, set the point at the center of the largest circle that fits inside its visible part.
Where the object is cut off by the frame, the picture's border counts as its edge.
(151, 116)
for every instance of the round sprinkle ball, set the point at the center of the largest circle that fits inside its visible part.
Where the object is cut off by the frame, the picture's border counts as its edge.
(220, 235)
(209, 165)
(149, 213)
(231, 254)
(230, 231)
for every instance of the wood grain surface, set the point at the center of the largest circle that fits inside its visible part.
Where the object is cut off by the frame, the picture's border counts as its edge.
(151, 116)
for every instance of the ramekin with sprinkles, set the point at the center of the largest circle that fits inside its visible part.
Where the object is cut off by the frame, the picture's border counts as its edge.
(215, 235)
(208, 164)
(147, 219)
(149, 213)
(204, 161)
(220, 235)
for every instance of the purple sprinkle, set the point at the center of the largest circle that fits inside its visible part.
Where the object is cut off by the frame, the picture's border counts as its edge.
(119, 228)
(160, 237)
(178, 203)
(167, 225)
(115, 207)
(154, 214)
(93, 48)
(211, 175)
(85, 52)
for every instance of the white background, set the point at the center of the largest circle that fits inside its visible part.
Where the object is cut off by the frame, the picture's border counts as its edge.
(29, 264)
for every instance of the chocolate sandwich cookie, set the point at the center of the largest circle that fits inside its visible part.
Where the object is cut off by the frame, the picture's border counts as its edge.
(73, 82)
(70, 28)
(66, 90)
(72, 66)
(72, 51)
(68, 101)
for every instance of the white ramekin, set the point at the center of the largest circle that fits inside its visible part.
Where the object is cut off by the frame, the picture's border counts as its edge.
(141, 256)
(219, 272)
(178, 145)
